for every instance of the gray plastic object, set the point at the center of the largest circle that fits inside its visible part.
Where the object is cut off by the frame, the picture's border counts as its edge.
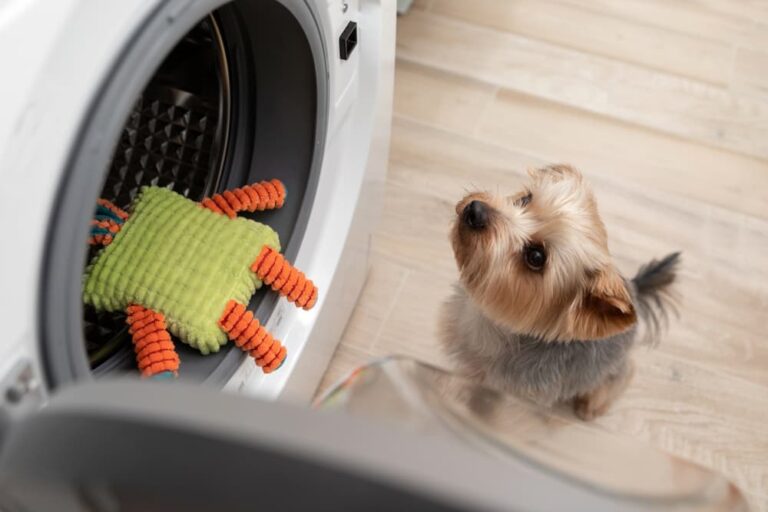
(134, 446)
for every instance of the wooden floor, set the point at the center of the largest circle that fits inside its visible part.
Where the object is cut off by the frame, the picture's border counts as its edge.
(664, 106)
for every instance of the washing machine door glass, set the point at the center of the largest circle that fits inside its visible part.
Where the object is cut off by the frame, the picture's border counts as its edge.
(148, 446)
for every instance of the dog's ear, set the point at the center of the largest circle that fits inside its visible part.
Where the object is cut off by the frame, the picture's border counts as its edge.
(605, 309)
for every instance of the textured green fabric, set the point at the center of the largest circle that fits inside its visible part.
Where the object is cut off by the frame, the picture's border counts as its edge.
(181, 260)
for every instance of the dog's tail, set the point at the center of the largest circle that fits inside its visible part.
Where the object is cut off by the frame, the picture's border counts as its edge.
(653, 293)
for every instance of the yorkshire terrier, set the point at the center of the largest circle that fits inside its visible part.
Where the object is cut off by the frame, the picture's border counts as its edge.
(540, 309)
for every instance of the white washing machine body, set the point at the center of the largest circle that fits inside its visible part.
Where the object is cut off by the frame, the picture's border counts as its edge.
(60, 54)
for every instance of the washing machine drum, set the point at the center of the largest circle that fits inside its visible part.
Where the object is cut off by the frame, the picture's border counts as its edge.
(212, 101)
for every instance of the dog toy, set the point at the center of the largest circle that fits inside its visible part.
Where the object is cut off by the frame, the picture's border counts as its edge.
(186, 268)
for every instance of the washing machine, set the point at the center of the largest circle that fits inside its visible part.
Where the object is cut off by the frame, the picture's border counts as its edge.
(101, 98)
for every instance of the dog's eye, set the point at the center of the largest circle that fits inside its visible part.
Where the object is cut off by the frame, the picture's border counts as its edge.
(535, 257)
(523, 201)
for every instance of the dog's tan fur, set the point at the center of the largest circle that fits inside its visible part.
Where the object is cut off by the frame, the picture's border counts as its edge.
(579, 296)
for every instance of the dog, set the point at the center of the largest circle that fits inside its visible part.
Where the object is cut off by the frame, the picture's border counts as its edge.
(540, 309)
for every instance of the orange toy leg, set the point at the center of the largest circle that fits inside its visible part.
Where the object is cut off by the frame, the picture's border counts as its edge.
(272, 268)
(154, 349)
(248, 334)
(265, 195)
(109, 219)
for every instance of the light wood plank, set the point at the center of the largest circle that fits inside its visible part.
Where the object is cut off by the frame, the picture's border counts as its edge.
(456, 109)
(756, 10)
(598, 33)
(385, 283)
(383, 288)
(699, 20)
(751, 70)
(421, 4)
(664, 102)
(699, 415)
(412, 328)
(755, 37)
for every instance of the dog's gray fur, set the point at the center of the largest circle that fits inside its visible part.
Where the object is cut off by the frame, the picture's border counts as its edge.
(546, 371)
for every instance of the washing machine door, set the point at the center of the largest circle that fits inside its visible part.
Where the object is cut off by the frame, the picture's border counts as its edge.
(147, 446)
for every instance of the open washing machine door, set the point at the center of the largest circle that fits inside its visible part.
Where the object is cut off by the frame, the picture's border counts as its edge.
(146, 446)
(197, 96)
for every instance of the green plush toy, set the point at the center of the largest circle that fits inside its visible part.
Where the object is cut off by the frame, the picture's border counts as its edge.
(191, 268)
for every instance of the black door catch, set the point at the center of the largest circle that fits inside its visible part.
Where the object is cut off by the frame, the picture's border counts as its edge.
(348, 40)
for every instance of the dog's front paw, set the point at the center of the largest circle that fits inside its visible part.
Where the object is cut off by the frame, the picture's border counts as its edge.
(596, 402)
(589, 407)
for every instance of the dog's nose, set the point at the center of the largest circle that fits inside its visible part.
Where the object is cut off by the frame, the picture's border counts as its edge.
(475, 215)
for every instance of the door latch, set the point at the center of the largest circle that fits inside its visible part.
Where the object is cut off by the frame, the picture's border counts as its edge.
(21, 389)
(348, 40)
